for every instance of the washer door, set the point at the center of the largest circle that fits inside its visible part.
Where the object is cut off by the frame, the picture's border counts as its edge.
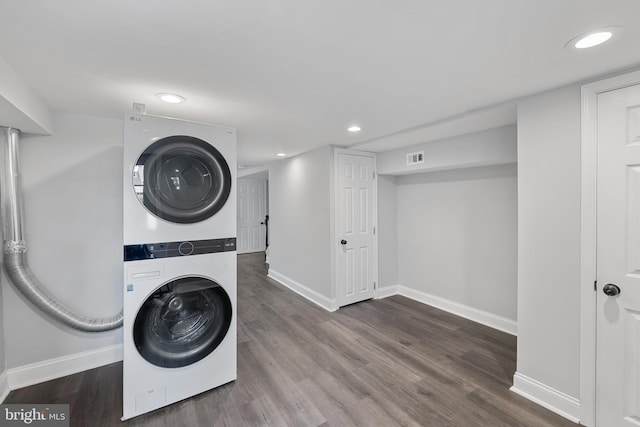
(182, 322)
(182, 179)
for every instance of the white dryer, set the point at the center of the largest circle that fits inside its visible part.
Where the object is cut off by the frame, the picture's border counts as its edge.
(180, 333)
(179, 180)
(179, 206)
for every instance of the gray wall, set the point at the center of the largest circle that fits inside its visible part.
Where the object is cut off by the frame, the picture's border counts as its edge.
(387, 231)
(300, 219)
(489, 147)
(549, 239)
(73, 226)
(3, 359)
(457, 236)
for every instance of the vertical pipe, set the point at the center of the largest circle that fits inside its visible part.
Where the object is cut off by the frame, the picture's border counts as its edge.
(12, 210)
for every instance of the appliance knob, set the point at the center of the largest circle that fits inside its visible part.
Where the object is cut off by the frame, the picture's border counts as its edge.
(186, 248)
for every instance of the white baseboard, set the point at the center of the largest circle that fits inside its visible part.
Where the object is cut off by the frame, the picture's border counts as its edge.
(488, 319)
(4, 386)
(386, 291)
(46, 370)
(550, 398)
(313, 296)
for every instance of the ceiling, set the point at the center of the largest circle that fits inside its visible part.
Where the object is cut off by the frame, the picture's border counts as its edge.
(292, 75)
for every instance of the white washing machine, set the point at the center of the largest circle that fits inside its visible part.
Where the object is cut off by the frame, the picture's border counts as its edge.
(180, 333)
(179, 180)
(179, 206)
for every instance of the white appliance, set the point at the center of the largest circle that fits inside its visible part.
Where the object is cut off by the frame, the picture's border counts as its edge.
(180, 333)
(179, 205)
(179, 180)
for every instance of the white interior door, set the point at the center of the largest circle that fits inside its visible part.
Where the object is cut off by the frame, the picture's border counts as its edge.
(251, 215)
(356, 256)
(618, 259)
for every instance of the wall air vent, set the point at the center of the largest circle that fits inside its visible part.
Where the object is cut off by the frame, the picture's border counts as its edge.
(415, 158)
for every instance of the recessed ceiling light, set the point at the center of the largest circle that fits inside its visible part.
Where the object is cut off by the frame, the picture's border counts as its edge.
(354, 129)
(281, 155)
(593, 38)
(171, 98)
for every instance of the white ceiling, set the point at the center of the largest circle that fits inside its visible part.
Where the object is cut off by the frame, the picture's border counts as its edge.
(291, 75)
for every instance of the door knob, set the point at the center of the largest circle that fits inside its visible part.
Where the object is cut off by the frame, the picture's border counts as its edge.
(343, 242)
(611, 289)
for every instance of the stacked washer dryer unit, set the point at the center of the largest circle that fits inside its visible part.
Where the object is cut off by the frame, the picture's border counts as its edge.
(179, 260)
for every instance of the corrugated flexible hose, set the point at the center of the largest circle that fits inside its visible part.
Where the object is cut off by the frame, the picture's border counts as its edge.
(14, 248)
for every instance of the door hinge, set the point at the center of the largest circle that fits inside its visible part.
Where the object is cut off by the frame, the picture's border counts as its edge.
(374, 285)
(374, 175)
(595, 285)
(374, 230)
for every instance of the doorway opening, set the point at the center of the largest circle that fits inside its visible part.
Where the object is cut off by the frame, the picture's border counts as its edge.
(253, 213)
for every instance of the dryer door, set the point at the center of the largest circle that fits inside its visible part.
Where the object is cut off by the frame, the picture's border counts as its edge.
(182, 322)
(182, 179)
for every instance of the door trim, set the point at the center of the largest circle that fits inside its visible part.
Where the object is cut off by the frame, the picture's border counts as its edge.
(588, 208)
(335, 218)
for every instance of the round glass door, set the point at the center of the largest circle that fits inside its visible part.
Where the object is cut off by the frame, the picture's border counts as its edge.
(182, 322)
(182, 179)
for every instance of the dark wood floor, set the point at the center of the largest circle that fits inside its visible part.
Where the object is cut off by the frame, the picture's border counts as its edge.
(378, 363)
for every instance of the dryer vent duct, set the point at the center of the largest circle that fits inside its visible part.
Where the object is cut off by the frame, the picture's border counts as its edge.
(15, 262)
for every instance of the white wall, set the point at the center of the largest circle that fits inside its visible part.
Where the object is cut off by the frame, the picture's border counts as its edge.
(387, 231)
(20, 106)
(489, 147)
(457, 236)
(300, 220)
(73, 227)
(4, 386)
(549, 239)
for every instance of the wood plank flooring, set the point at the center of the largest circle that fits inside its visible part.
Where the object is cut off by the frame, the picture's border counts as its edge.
(389, 362)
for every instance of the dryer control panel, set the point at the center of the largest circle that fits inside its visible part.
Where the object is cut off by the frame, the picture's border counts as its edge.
(176, 249)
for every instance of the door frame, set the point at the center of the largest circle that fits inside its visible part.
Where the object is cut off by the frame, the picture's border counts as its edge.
(336, 219)
(588, 245)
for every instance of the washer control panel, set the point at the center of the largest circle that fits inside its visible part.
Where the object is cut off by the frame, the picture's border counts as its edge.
(176, 249)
